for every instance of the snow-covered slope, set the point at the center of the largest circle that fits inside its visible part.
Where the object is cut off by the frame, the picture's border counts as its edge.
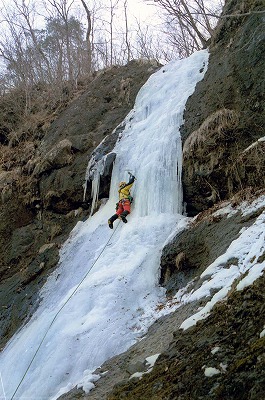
(104, 293)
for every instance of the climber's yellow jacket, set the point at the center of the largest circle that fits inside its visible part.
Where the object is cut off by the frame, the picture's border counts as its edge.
(124, 191)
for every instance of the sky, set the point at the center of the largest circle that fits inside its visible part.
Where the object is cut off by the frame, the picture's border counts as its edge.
(104, 294)
(139, 8)
(144, 12)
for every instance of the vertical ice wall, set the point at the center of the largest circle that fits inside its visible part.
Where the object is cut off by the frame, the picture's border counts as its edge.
(151, 144)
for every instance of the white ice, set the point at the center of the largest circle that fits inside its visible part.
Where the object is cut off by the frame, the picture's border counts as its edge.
(101, 299)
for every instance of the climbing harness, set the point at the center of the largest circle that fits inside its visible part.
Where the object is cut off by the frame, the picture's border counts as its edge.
(60, 309)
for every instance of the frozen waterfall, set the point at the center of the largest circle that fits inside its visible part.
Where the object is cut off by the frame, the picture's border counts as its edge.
(84, 319)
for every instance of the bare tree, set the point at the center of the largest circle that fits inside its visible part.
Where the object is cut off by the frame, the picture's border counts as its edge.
(127, 42)
(54, 44)
(63, 9)
(26, 12)
(88, 36)
(20, 43)
(143, 41)
(112, 8)
(20, 50)
(189, 23)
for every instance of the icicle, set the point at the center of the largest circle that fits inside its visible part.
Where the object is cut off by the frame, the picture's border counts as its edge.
(101, 160)
(98, 166)
(95, 170)
(95, 190)
(95, 173)
(91, 163)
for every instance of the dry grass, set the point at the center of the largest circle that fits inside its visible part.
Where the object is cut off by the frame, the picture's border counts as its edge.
(211, 130)
(257, 144)
(16, 157)
(248, 194)
(31, 127)
(248, 167)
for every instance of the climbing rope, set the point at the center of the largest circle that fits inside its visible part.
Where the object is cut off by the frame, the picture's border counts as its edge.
(60, 309)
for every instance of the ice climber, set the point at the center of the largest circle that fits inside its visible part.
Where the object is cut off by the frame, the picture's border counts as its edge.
(123, 207)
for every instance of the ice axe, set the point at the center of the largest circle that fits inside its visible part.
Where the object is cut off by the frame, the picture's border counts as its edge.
(130, 174)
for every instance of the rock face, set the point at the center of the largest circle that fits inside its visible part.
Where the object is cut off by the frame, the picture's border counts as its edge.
(42, 175)
(224, 118)
(207, 237)
(220, 358)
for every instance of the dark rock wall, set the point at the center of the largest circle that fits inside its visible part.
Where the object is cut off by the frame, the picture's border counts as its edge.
(226, 113)
(233, 330)
(196, 247)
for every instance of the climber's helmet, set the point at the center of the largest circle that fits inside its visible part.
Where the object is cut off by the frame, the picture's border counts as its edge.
(122, 184)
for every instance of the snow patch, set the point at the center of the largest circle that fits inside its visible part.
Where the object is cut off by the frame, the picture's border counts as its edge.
(247, 249)
(210, 371)
(87, 381)
(151, 362)
(152, 359)
(223, 367)
(253, 274)
(215, 350)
